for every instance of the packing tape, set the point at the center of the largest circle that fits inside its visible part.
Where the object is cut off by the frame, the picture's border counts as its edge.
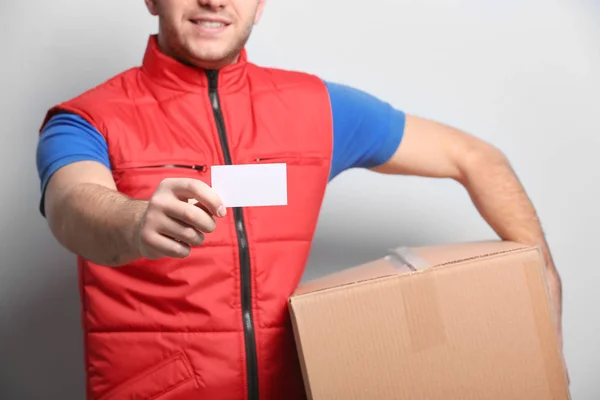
(398, 263)
(423, 311)
(424, 319)
(404, 257)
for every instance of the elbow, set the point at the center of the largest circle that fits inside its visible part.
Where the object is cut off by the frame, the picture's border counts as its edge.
(57, 222)
(480, 158)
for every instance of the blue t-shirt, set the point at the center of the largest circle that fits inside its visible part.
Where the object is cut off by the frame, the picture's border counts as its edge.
(366, 133)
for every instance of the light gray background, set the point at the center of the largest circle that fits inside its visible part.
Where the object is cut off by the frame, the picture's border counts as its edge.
(522, 74)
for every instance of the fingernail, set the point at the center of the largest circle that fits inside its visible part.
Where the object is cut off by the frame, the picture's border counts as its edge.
(221, 211)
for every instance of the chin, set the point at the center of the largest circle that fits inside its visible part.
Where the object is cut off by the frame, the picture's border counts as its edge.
(213, 57)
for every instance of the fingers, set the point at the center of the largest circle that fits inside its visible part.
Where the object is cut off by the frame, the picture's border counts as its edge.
(185, 188)
(158, 246)
(181, 232)
(171, 225)
(191, 215)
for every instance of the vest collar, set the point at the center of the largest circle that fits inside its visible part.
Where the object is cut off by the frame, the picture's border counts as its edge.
(169, 72)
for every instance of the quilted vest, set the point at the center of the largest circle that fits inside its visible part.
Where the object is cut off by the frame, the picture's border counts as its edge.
(214, 325)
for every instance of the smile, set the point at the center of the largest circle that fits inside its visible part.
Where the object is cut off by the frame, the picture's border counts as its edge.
(210, 24)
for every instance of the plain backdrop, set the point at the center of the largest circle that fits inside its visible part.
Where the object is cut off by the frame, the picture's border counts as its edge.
(522, 74)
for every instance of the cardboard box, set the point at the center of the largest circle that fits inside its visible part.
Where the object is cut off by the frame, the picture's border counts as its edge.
(467, 321)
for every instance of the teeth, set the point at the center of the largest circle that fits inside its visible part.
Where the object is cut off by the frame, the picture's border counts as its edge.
(211, 24)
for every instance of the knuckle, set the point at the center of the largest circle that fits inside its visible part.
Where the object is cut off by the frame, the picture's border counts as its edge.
(158, 201)
(165, 182)
(188, 214)
(191, 185)
(189, 234)
(198, 187)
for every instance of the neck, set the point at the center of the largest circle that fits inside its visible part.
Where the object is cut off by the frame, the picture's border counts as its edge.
(168, 71)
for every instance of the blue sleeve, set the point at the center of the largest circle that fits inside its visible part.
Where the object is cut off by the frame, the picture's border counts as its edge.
(67, 138)
(366, 131)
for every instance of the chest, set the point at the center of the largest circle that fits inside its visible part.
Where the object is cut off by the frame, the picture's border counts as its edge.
(187, 136)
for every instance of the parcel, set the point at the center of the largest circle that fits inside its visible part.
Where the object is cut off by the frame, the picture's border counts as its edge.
(469, 321)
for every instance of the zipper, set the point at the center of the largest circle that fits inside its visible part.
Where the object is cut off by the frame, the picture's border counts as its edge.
(201, 168)
(292, 159)
(246, 284)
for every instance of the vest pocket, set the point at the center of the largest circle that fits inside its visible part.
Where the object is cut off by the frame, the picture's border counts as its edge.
(156, 382)
(291, 159)
(141, 181)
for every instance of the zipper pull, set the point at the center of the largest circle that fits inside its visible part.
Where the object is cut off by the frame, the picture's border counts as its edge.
(201, 168)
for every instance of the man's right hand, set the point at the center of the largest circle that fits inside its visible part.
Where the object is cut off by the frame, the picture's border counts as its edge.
(171, 225)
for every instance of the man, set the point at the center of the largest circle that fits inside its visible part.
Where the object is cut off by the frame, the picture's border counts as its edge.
(187, 300)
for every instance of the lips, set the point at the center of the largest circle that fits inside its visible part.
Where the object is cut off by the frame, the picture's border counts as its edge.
(211, 22)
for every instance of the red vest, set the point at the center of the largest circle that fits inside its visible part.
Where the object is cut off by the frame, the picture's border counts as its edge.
(215, 324)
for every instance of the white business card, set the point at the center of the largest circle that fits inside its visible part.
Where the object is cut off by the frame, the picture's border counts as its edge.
(251, 185)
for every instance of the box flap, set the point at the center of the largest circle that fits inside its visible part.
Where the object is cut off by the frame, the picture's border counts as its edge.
(404, 260)
(438, 255)
(371, 270)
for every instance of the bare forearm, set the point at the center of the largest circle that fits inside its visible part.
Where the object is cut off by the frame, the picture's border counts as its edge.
(433, 149)
(503, 203)
(98, 224)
